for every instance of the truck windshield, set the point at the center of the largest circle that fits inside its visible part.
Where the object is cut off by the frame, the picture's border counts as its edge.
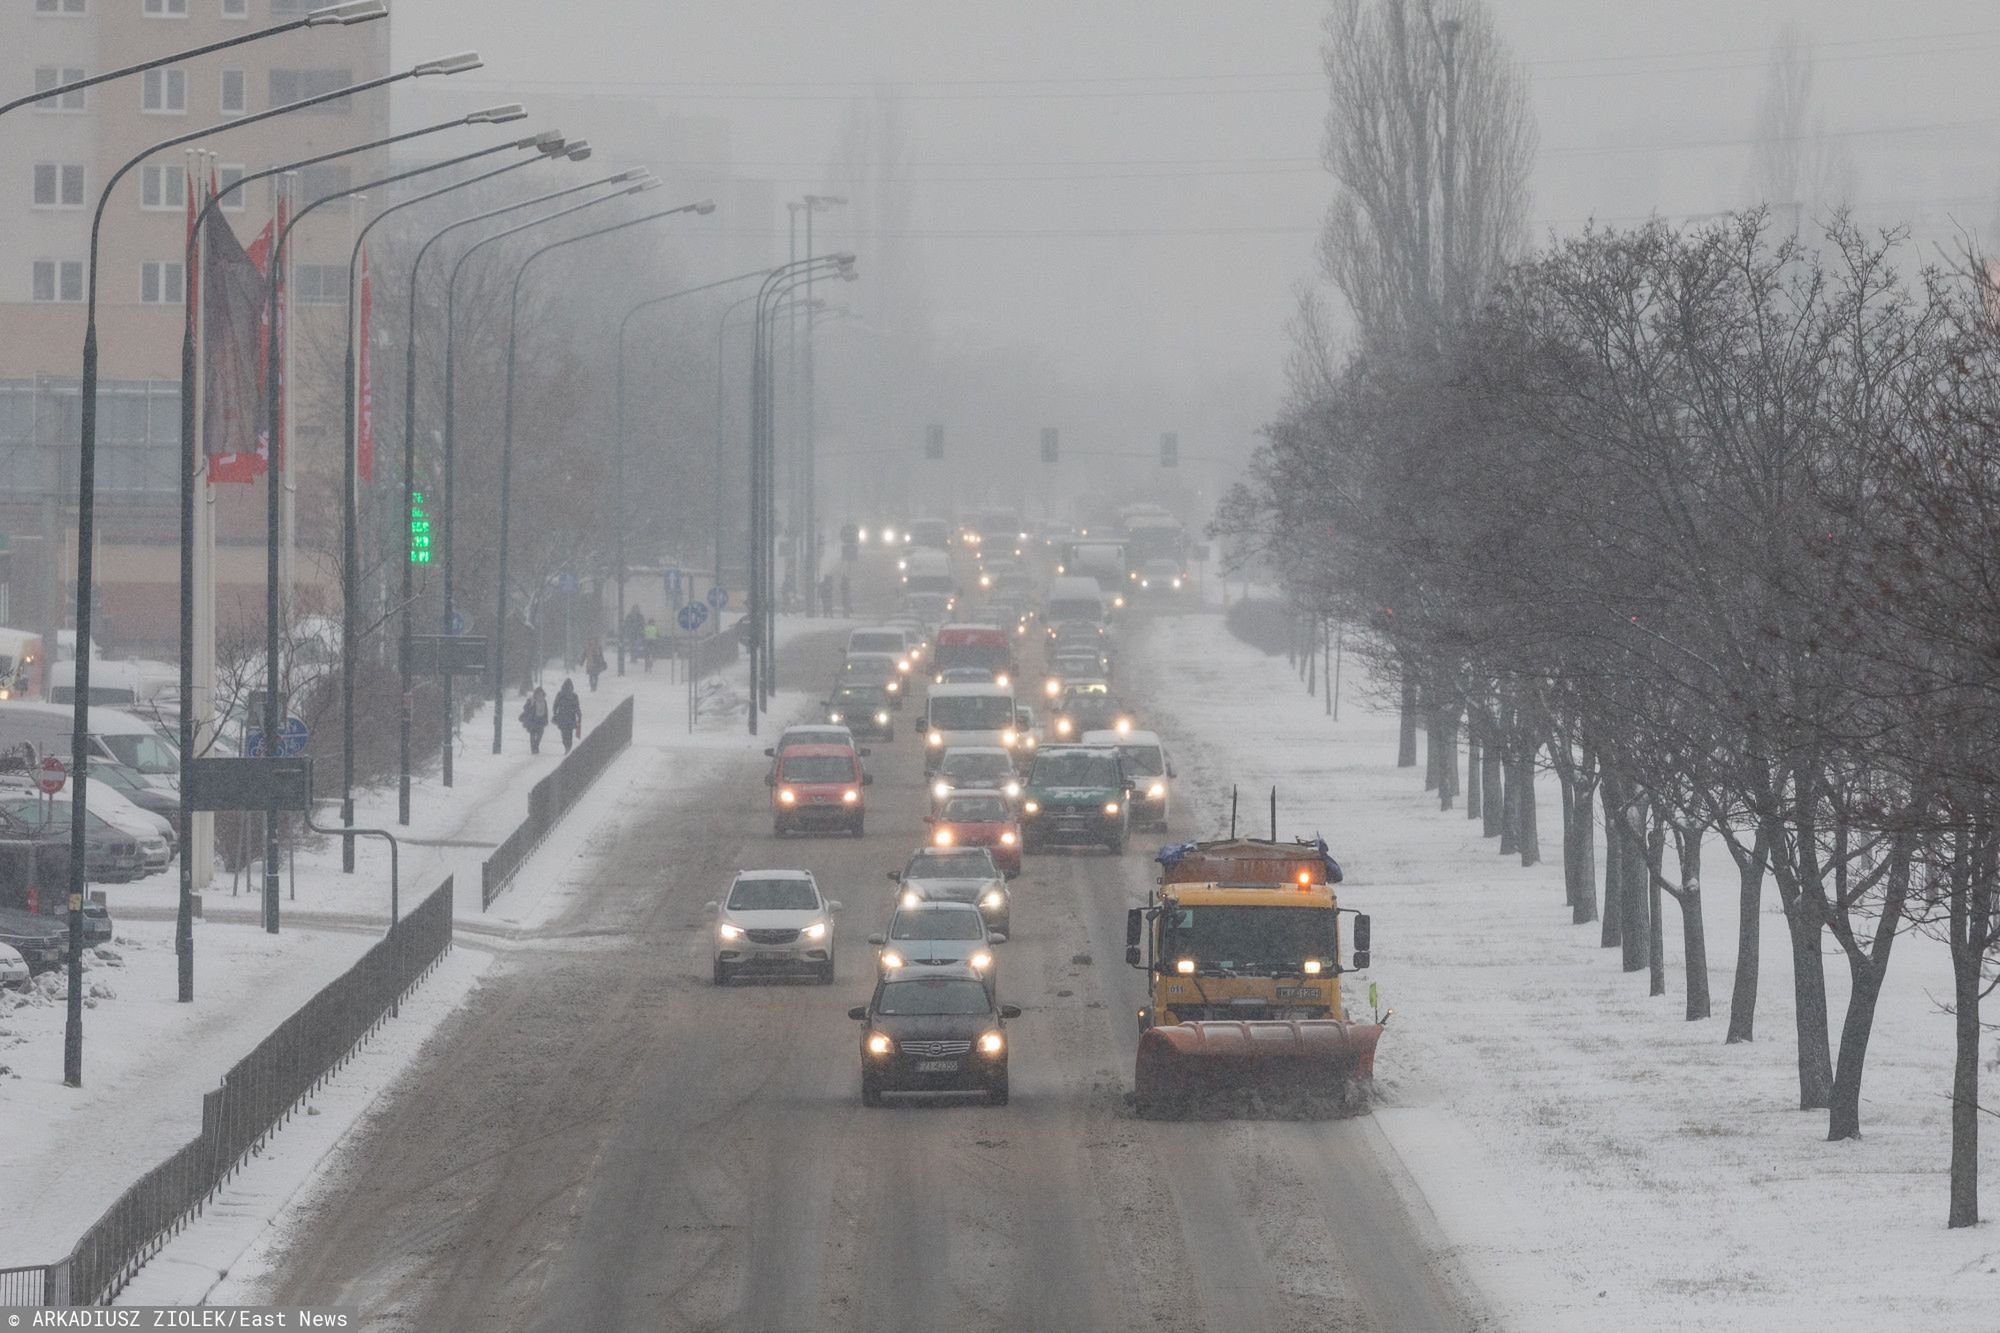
(977, 712)
(1249, 939)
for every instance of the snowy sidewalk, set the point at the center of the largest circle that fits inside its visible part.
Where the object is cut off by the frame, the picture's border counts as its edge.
(1597, 1161)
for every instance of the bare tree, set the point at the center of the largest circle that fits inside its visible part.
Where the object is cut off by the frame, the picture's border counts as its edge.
(1796, 169)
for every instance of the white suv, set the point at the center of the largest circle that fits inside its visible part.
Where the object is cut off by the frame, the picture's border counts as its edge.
(774, 921)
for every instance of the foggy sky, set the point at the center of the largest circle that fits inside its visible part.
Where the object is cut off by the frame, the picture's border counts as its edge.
(1190, 131)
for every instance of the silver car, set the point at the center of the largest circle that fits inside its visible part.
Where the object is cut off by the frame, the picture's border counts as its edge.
(774, 921)
(956, 875)
(930, 935)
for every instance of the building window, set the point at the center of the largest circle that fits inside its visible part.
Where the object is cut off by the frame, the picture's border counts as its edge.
(295, 85)
(166, 9)
(162, 283)
(320, 284)
(47, 77)
(163, 185)
(226, 175)
(59, 280)
(235, 92)
(164, 92)
(58, 185)
(236, 9)
(70, 7)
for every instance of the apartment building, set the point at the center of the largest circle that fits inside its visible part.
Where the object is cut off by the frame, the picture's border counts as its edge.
(55, 159)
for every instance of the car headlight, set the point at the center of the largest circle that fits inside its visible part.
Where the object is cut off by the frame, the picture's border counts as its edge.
(890, 958)
(879, 1043)
(1032, 807)
(893, 686)
(935, 738)
(902, 566)
(1177, 585)
(1157, 792)
(1007, 840)
(786, 796)
(1111, 807)
(1052, 688)
(850, 796)
(903, 664)
(941, 790)
(981, 961)
(1145, 583)
(911, 898)
(882, 719)
(1131, 573)
(1012, 789)
(1310, 967)
(993, 901)
(1124, 724)
(816, 931)
(1118, 601)
(992, 1043)
(1009, 736)
(1063, 727)
(944, 837)
(1002, 680)
(985, 580)
(861, 535)
(729, 932)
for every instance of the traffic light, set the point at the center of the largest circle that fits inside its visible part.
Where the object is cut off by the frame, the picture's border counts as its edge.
(1170, 450)
(1050, 444)
(933, 443)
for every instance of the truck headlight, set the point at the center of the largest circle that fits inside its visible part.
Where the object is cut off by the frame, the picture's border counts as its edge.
(1177, 585)
(1002, 680)
(894, 686)
(1310, 967)
(1185, 967)
(1012, 789)
(1063, 726)
(1124, 724)
(834, 717)
(1009, 736)
(1052, 688)
(910, 898)
(1119, 600)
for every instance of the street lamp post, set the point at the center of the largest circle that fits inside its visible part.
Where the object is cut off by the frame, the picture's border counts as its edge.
(341, 15)
(618, 395)
(190, 469)
(507, 427)
(86, 516)
(808, 466)
(638, 175)
(553, 145)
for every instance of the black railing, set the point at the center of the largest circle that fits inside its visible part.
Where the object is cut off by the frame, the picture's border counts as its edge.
(256, 1097)
(551, 798)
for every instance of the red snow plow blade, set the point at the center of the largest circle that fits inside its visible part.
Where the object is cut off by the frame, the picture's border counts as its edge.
(1294, 1069)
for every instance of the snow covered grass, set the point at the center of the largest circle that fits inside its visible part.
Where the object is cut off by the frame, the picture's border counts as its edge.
(1597, 1161)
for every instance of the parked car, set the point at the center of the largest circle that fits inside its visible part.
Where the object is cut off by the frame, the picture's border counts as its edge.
(13, 967)
(109, 855)
(774, 921)
(42, 942)
(937, 1033)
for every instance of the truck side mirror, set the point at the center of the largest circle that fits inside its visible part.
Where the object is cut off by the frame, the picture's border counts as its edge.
(770, 752)
(1135, 926)
(895, 877)
(1132, 955)
(1360, 937)
(1359, 962)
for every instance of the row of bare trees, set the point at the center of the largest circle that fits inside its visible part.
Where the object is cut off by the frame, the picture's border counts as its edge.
(1707, 525)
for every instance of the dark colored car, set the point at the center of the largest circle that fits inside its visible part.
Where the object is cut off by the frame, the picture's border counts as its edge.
(940, 1032)
(42, 941)
(110, 854)
(865, 710)
(1087, 709)
(1076, 794)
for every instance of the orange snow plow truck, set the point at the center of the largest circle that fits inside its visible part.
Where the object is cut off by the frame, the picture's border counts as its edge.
(1241, 946)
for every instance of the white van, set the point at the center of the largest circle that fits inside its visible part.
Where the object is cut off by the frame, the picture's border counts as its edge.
(1076, 599)
(962, 715)
(925, 570)
(115, 736)
(114, 684)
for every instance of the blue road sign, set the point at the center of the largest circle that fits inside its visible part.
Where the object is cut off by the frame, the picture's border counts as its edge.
(566, 581)
(292, 738)
(692, 616)
(673, 582)
(718, 597)
(458, 622)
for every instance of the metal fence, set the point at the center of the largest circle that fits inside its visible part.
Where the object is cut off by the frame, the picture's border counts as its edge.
(256, 1097)
(551, 799)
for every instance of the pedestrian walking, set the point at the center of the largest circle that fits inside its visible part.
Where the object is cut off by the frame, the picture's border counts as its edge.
(568, 712)
(846, 595)
(535, 718)
(826, 596)
(593, 662)
(652, 640)
(634, 630)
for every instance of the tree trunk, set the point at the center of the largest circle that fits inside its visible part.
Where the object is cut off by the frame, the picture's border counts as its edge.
(1965, 968)
(1633, 877)
(1310, 651)
(1579, 816)
(1433, 738)
(1694, 932)
(1527, 831)
(1614, 866)
(1510, 806)
(1749, 939)
(1656, 944)
(1809, 1005)
(1406, 744)
(1565, 798)
(1866, 971)
(1447, 758)
(1494, 810)
(1473, 789)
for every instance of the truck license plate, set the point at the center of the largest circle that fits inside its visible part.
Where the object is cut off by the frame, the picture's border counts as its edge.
(1298, 992)
(937, 1066)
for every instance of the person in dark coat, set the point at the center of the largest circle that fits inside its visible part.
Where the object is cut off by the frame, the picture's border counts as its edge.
(593, 663)
(535, 718)
(568, 712)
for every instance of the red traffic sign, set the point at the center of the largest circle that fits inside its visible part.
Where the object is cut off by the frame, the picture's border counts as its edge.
(52, 775)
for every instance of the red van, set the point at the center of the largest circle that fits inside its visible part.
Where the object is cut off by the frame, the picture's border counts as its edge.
(988, 647)
(818, 787)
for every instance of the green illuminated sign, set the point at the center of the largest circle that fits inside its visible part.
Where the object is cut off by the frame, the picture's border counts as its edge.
(420, 530)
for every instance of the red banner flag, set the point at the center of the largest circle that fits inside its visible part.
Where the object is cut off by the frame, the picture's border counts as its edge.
(232, 310)
(364, 411)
